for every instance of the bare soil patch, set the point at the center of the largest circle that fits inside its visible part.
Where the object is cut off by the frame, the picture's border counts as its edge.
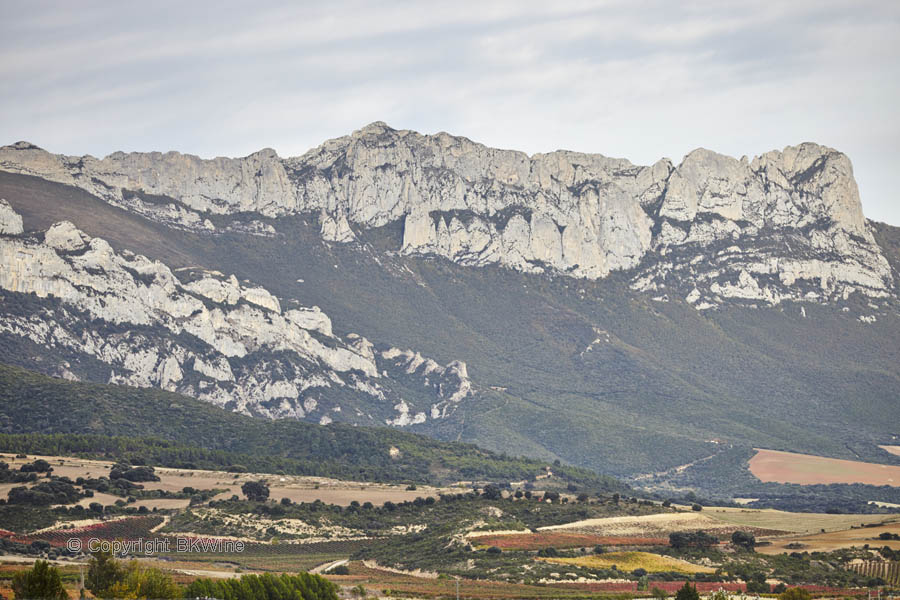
(833, 540)
(297, 488)
(807, 469)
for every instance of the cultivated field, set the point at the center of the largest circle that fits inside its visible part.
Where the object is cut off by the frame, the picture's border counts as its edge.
(629, 561)
(561, 540)
(833, 540)
(804, 523)
(806, 469)
(297, 488)
(659, 526)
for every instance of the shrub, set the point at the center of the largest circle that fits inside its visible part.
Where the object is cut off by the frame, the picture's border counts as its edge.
(41, 581)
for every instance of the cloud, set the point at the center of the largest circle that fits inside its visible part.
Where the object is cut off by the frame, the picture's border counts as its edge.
(640, 79)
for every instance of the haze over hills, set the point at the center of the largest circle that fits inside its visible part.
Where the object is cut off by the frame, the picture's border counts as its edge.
(624, 318)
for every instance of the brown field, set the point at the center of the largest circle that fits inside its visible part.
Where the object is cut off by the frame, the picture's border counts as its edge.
(297, 488)
(833, 540)
(807, 469)
(554, 539)
(659, 526)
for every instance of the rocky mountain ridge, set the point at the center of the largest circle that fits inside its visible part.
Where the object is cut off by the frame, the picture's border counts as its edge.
(787, 225)
(204, 334)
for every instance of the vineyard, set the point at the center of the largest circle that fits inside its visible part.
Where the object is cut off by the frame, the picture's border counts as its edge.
(283, 557)
(122, 529)
(555, 539)
(888, 570)
(629, 561)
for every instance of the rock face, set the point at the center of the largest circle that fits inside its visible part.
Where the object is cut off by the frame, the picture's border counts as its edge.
(785, 226)
(10, 221)
(200, 333)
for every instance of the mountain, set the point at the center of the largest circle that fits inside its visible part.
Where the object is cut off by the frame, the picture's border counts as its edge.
(44, 415)
(574, 306)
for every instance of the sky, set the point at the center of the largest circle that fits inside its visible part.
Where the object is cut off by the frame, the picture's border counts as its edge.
(635, 79)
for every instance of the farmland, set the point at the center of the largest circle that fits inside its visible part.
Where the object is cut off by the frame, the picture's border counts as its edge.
(658, 525)
(562, 540)
(797, 523)
(295, 488)
(629, 561)
(414, 540)
(832, 540)
(805, 469)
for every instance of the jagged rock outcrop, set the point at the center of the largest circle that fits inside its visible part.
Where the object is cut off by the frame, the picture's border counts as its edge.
(450, 383)
(199, 333)
(10, 220)
(787, 225)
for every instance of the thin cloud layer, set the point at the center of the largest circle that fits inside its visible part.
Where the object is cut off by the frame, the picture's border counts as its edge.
(637, 79)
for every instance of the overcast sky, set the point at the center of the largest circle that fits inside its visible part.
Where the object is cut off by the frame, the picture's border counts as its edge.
(633, 79)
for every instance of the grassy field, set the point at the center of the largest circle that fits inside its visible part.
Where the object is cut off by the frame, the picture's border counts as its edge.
(806, 469)
(807, 523)
(629, 561)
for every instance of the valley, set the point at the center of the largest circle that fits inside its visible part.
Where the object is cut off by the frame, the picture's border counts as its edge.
(499, 543)
(403, 361)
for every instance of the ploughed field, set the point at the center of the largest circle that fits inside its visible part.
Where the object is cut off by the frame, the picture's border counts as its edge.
(806, 469)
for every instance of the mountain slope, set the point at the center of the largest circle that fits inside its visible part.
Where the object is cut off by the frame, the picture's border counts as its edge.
(34, 403)
(589, 370)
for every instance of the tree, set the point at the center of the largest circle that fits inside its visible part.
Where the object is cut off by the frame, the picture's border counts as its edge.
(659, 593)
(757, 584)
(687, 592)
(491, 492)
(104, 572)
(145, 584)
(795, 594)
(256, 490)
(41, 581)
(743, 539)
(697, 539)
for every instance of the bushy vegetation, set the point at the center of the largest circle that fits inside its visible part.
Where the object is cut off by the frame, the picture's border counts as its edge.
(41, 581)
(264, 587)
(727, 474)
(655, 388)
(62, 411)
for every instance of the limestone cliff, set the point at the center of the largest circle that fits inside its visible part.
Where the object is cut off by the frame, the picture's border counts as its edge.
(197, 332)
(785, 226)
